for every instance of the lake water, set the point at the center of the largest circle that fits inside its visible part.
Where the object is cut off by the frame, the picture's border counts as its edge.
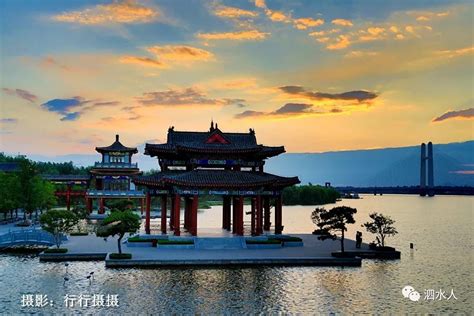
(439, 227)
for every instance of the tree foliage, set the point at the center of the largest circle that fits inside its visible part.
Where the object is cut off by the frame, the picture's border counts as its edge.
(309, 195)
(58, 222)
(10, 189)
(25, 189)
(119, 223)
(121, 204)
(334, 222)
(381, 226)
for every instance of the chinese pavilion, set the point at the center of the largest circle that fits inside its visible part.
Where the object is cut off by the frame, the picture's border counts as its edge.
(230, 165)
(112, 176)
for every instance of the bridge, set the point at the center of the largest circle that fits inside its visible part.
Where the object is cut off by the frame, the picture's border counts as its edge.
(26, 237)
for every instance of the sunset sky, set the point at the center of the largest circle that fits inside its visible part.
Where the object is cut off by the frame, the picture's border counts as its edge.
(310, 75)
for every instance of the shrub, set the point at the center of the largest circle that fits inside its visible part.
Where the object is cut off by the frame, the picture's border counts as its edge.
(79, 234)
(138, 239)
(120, 256)
(55, 250)
(287, 238)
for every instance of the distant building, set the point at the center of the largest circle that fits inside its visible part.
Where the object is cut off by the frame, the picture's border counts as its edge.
(111, 177)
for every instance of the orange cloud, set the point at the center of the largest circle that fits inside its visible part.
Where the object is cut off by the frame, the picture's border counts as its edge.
(233, 12)
(304, 23)
(456, 52)
(260, 4)
(142, 61)
(358, 54)
(127, 11)
(167, 55)
(342, 22)
(238, 36)
(341, 42)
(180, 53)
(277, 16)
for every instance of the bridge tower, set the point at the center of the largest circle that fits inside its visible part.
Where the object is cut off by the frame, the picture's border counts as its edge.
(424, 160)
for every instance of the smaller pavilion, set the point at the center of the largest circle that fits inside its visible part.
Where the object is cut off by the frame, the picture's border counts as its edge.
(230, 165)
(111, 177)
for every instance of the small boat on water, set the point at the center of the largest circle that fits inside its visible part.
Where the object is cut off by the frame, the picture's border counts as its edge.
(350, 195)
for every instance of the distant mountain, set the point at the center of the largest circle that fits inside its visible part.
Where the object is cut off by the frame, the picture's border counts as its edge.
(378, 167)
(374, 167)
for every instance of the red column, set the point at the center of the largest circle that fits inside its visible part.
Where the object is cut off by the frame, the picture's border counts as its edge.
(164, 199)
(226, 212)
(252, 216)
(176, 221)
(147, 213)
(187, 212)
(193, 215)
(142, 206)
(259, 215)
(172, 214)
(240, 215)
(68, 197)
(278, 215)
(89, 205)
(266, 215)
(101, 206)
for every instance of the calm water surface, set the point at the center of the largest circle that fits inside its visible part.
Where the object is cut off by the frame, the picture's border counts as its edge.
(440, 228)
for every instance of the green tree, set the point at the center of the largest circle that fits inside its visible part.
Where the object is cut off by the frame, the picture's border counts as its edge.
(58, 222)
(381, 226)
(10, 189)
(334, 222)
(43, 192)
(121, 205)
(119, 223)
(309, 195)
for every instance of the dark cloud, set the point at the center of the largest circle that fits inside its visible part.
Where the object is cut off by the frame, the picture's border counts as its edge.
(108, 103)
(20, 93)
(249, 113)
(356, 95)
(466, 114)
(71, 109)
(188, 96)
(65, 107)
(71, 116)
(8, 121)
(294, 108)
(286, 110)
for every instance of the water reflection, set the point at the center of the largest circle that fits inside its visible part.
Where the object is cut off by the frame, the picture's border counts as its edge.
(440, 261)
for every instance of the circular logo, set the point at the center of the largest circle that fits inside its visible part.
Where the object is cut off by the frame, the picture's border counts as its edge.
(407, 290)
(414, 296)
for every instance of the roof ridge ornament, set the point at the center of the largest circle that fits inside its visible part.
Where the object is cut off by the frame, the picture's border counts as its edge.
(117, 137)
(211, 129)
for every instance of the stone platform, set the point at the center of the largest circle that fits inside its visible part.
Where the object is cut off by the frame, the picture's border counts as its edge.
(208, 251)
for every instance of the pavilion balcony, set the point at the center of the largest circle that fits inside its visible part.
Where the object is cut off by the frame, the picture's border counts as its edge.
(115, 193)
(115, 165)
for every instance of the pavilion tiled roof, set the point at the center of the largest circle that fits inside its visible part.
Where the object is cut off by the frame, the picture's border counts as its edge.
(198, 142)
(117, 146)
(203, 178)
